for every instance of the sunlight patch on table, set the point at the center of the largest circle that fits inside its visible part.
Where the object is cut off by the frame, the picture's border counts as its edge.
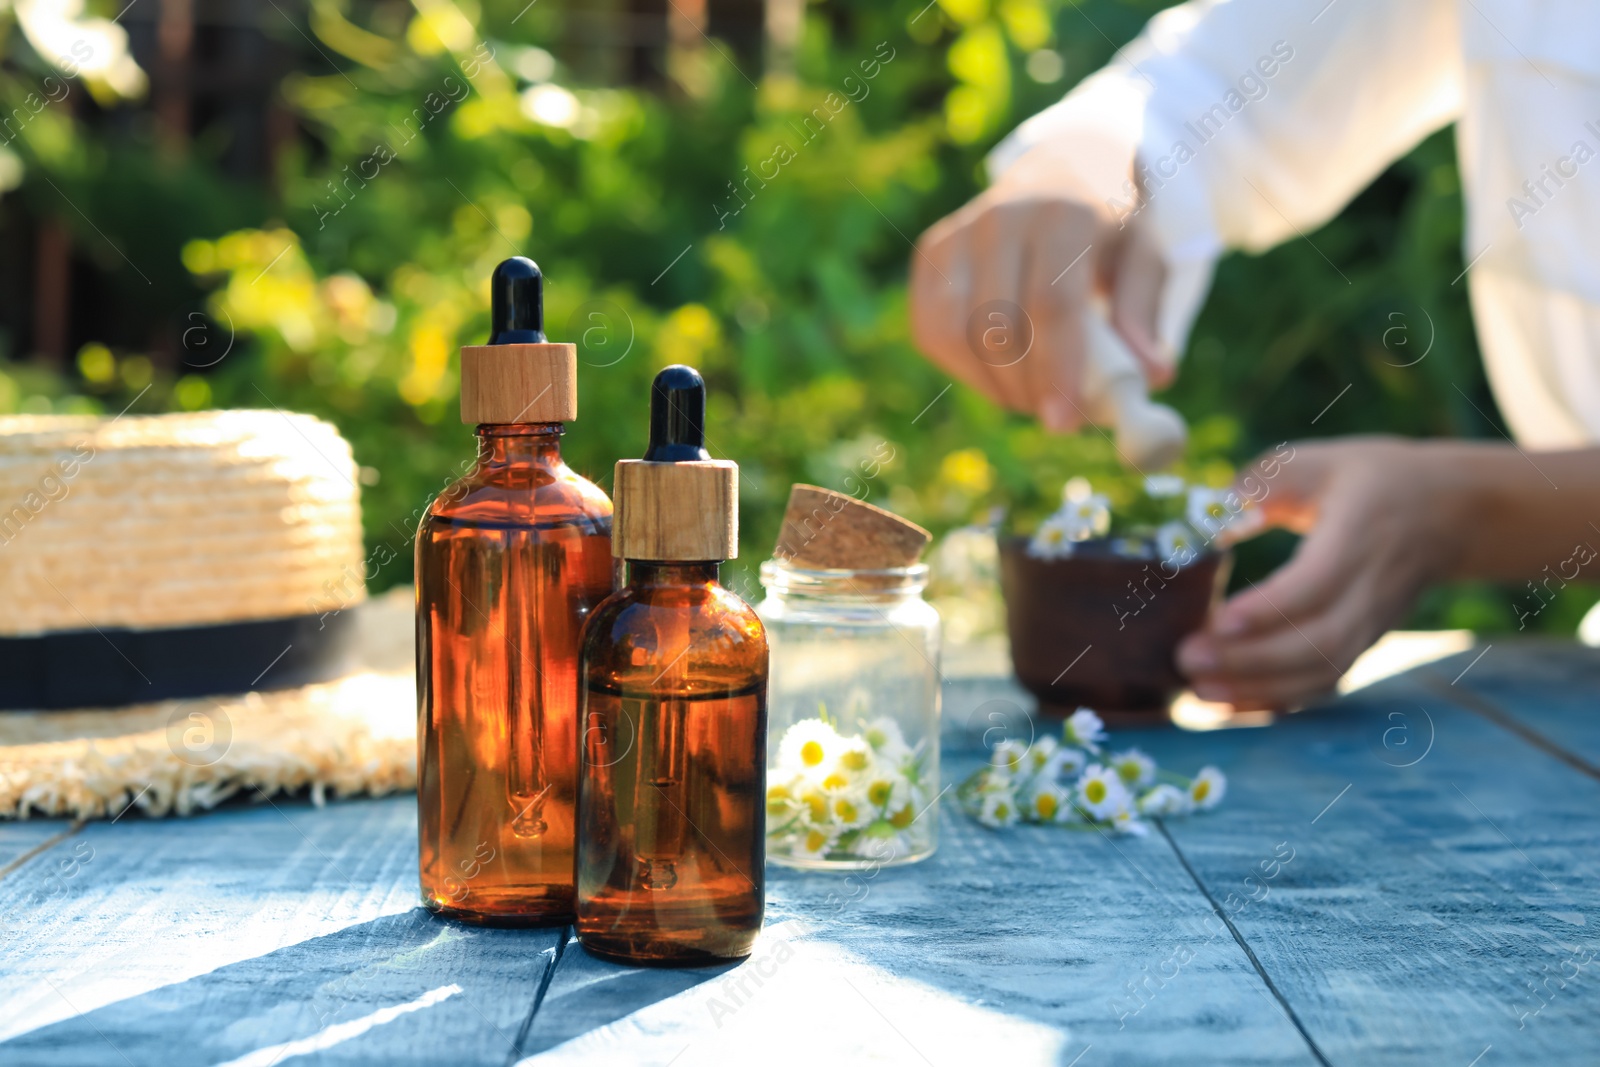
(810, 1002)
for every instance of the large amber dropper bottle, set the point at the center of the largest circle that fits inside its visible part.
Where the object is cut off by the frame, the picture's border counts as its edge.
(671, 793)
(510, 561)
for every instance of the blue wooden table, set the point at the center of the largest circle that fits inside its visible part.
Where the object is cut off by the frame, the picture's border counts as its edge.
(1403, 877)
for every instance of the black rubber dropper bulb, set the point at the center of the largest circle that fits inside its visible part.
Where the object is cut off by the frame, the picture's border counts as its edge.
(677, 416)
(516, 303)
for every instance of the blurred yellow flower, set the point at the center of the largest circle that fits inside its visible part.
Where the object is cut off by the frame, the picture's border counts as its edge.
(430, 355)
(96, 363)
(1027, 22)
(440, 26)
(687, 335)
(965, 12)
(967, 470)
(192, 392)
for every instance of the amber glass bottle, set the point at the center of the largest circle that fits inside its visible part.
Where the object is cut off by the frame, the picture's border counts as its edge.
(510, 561)
(672, 783)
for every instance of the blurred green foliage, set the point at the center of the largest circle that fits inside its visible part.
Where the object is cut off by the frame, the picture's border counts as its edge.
(742, 221)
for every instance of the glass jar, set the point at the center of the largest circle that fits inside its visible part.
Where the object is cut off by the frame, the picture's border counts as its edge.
(853, 716)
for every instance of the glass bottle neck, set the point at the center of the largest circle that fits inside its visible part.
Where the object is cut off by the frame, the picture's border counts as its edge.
(504, 444)
(898, 583)
(650, 573)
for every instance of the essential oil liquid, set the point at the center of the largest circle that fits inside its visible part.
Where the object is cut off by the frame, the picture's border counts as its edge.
(501, 608)
(672, 822)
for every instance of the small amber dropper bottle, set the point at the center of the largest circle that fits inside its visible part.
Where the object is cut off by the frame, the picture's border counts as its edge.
(671, 835)
(510, 561)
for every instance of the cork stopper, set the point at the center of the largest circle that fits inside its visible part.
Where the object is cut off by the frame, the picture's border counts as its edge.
(825, 530)
(519, 376)
(677, 503)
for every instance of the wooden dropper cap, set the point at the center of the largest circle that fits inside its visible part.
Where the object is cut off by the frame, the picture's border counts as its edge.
(677, 503)
(518, 376)
(825, 530)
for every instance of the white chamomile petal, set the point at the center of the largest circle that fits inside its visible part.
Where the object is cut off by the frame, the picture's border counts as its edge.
(999, 809)
(814, 842)
(1084, 729)
(1134, 768)
(884, 737)
(1208, 789)
(1101, 792)
(1210, 511)
(1066, 763)
(1041, 753)
(1176, 543)
(1164, 799)
(1009, 756)
(808, 747)
(1053, 539)
(1045, 804)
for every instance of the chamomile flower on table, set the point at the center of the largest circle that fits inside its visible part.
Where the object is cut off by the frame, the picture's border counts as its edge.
(1134, 768)
(1009, 756)
(998, 809)
(1085, 730)
(1065, 783)
(1208, 788)
(1100, 792)
(1125, 821)
(1041, 752)
(1165, 799)
(1047, 802)
(1066, 760)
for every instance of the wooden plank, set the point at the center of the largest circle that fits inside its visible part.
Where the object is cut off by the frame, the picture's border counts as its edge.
(1442, 868)
(1023, 941)
(20, 841)
(1547, 691)
(260, 932)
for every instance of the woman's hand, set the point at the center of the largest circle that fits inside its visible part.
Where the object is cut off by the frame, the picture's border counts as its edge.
(998, 289)
(1383, 518)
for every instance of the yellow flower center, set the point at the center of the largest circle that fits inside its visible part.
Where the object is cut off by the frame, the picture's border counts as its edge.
(1046, 806)
(778, 800)
(816, 841)
(818, 806)
(835, 781)
(855, 760)
(1095, 791)
(880, 792)
(845, 810)
(1002, 811)
(811, 753)
(903, 818)
(1129, 772)
(1216, 511)
(1202, 789)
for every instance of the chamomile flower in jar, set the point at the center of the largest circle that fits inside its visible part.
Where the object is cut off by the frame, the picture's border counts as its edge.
(853, 692)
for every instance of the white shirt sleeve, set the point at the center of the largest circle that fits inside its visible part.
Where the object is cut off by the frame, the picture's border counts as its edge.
(1253, 121)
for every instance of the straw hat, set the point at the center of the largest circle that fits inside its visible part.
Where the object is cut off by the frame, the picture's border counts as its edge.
(185, 617)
